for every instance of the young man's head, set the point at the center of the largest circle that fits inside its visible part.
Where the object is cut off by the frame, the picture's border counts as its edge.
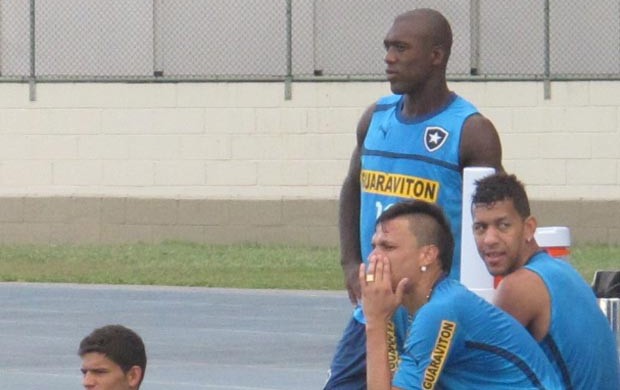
(418, 46)
(502, 225)
(113, 358)
(414, 234)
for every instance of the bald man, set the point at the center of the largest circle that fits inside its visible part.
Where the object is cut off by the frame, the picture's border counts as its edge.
(413, 144)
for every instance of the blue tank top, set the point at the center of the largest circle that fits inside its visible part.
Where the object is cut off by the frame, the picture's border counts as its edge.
(413, 159)
(459, 341)
(579, 343)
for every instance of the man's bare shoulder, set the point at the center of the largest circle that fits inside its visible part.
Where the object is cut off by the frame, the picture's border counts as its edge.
(521, 283)
(480, 143)
(364, 121)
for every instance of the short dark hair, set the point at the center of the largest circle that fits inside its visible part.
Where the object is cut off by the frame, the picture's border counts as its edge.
(502, 186)
(437, 232)
(120, 344)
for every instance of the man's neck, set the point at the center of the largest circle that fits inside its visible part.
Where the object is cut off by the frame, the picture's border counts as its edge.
(530, 250)
(419, 294)
(430, 99)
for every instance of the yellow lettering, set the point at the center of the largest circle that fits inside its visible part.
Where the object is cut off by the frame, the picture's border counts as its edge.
(402, 186)
(439, 354)
(380, 180)
(393, 356)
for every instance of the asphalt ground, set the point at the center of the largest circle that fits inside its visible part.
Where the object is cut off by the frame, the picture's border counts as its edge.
(196, 338)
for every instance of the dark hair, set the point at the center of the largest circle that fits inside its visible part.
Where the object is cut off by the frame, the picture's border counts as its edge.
(502, 186)
(428, 224)
(120, 344)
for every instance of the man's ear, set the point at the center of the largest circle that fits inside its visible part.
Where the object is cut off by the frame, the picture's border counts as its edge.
(529, 225)
(134, 376)
(439, 55)
(430, 255)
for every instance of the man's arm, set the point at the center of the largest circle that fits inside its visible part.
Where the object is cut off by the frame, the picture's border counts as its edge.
(524, 295)
(378, 370)
(380, 302)
(480, 144)
(349, 213)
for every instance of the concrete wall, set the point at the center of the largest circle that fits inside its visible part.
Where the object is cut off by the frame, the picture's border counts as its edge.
(234, 162)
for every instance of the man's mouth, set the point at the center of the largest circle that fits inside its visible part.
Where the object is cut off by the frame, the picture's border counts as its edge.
(493, 258)
(390, 73)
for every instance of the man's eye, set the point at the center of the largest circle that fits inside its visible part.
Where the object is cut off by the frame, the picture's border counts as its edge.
(396, 46)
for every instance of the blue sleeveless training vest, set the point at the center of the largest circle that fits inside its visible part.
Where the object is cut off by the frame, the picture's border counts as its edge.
(413, 159)
(579, 343)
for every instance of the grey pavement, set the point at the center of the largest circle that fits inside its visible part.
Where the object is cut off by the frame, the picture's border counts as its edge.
(196, 338)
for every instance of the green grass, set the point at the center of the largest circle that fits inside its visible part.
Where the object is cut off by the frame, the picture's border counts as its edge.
(589, 258)
(175, 263)
(187, 264)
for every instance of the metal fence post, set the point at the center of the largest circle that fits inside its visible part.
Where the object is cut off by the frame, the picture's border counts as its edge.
(158, 60)
(1, 48)
(32, 78)
(547, 75)
(317, 68)
(288, 93)
(474, 37)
